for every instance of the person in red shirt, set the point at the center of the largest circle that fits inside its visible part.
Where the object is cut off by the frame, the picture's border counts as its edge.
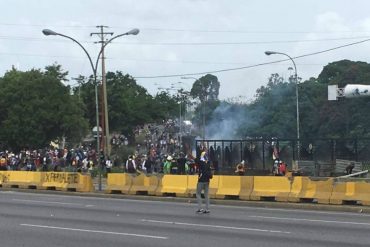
(282, 168)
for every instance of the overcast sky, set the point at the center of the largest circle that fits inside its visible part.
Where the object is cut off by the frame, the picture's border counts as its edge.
(186, 37)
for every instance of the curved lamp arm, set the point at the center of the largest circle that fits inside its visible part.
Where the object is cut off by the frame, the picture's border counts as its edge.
(134, 31)
(50, 32)
(268, 53)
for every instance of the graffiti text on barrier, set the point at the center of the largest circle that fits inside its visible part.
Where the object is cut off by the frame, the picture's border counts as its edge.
(4, 178)
(58, 177)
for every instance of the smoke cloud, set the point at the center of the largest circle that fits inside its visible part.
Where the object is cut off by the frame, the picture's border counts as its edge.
(226, 122)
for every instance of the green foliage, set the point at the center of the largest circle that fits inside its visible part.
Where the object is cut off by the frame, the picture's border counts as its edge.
(165, 105)
(274, 110)
(129, 104)
(35, 108)
(206, 88)
(345, 72)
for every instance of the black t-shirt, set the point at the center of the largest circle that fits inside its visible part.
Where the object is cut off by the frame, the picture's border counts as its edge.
(205, 173)
(181, 163)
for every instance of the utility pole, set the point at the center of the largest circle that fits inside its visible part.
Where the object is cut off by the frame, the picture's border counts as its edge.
(102, 41)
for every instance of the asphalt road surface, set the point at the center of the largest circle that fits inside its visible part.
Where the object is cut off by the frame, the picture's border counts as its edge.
(48, 220)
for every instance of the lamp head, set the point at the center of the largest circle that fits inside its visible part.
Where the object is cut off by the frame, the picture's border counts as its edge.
(134, 31)
(268, 53)
(49, 32)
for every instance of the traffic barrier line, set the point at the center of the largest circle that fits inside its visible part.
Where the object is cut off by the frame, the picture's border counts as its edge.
(351, 193)
(67, 181)
(119, 183)
(173, 185)
(3, 177)
(22, 179)
(305, 189)
(144, 185)
(235, 187)
(273, 188)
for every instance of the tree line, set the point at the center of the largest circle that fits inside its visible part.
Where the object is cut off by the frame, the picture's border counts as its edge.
(38, 106)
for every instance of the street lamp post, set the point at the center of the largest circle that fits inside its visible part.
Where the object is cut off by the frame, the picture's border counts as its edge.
(296, 93)
(134, 31)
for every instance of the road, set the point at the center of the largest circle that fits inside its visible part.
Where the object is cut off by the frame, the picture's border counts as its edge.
(48, 220)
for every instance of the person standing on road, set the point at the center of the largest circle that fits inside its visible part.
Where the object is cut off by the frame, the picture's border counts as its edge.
(205, 174)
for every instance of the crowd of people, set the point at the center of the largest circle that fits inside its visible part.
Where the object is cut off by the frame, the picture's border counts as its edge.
(50, 159)
(161, 153)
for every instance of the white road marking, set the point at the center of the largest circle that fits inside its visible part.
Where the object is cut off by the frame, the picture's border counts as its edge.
(50, 202)
(213, 226)
(247, 207)
(95, 231)
(244, 207)
(310, 220)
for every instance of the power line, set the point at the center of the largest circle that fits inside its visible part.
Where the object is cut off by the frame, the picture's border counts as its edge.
(251, 66)
(195, 43)
(154, 29)
(139, 60)
(247, 42)
(204, 62)
(20, 38)
(43, 25)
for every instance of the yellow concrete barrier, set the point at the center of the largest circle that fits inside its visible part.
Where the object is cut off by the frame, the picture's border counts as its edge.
(23, 179)
(173, 185)
(358, 192)
(144, 184)
(192, 185)
(309, 189)
(67, 181)
(193, 181)
(240, 186)
(85, 183)
(270, 187)
(3, 177)
(119, 182)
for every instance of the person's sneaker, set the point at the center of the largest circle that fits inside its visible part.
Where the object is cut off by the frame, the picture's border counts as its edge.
(206, 211)
(200, 211)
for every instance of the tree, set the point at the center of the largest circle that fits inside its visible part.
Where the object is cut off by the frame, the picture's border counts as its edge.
(35, 108)
(165, 105)
(272, 112)
(206, 88)
(347, 117)
(345, 72)
(130, 105)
